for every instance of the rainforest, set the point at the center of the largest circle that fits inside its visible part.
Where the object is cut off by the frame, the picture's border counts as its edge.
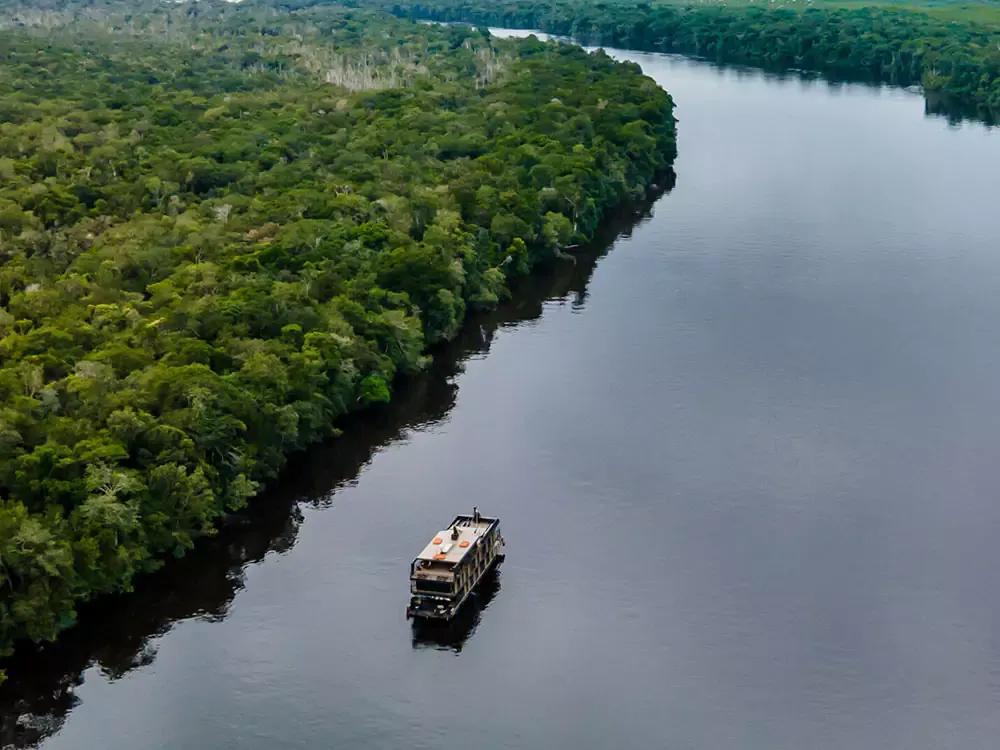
(223, 227)
(951, 50)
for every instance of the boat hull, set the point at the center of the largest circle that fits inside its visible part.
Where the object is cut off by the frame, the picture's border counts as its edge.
(426, 607)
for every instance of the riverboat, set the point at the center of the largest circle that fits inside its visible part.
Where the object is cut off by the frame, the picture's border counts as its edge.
(448, 569)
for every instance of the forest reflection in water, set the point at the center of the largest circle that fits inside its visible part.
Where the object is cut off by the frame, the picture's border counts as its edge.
(118, 634)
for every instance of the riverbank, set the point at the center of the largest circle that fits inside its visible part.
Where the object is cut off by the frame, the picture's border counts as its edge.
(119, 633)
(238, 235)
(949, 51)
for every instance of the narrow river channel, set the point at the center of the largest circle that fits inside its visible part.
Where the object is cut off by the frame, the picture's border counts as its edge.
(746, 454)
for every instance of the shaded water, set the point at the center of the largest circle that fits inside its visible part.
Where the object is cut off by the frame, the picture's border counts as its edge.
(746, 467)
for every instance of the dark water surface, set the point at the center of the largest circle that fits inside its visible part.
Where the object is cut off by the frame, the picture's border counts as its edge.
(748, 469)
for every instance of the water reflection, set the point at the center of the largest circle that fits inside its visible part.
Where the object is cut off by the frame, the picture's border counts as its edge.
(118, 634)
(935, 103)
(451, 635)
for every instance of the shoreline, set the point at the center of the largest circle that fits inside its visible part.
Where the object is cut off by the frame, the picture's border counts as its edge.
(937, 101)
(115, 630)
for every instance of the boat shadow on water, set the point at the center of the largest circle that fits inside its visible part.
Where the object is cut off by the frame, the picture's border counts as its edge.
(451, 635)
(118, 634)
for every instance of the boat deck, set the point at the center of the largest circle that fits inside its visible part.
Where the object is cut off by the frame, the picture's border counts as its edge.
(442, 548)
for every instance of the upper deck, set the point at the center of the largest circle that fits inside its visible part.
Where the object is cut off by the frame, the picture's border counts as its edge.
(444, 549)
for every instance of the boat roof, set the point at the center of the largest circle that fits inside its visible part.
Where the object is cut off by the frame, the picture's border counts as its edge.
(470, 529)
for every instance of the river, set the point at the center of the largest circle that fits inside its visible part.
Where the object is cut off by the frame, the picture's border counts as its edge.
(745, 453)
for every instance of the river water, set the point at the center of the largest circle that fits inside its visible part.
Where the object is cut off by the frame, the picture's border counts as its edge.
(745, 453)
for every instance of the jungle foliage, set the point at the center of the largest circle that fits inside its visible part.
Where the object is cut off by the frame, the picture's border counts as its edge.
(953, 52)
(223, 226)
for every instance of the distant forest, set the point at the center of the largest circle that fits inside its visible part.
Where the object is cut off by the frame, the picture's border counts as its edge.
(224, 226)
(952, 51)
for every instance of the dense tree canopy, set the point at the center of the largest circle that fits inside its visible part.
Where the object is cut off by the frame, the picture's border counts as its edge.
(224, 226)
(952, 51)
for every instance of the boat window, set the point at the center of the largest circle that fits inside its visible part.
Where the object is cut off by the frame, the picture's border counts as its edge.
(436, 586)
